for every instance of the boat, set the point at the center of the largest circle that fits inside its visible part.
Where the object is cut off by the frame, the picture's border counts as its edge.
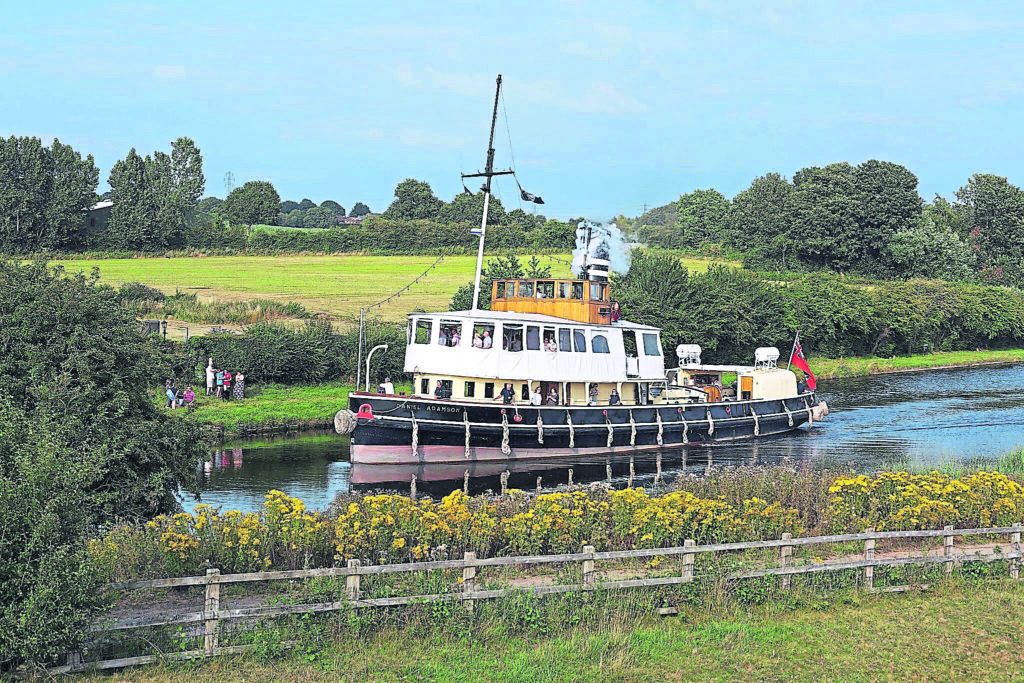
(550, 370)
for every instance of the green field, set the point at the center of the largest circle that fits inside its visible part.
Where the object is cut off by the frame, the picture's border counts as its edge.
(958, 632)
(338, 285)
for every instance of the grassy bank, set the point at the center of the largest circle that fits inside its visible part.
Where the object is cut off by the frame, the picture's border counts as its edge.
(961, 631)
(829, 368)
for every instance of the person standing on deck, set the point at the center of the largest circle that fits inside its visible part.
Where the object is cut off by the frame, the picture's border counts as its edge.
(535, 398)
(508, 394)
(388, 387)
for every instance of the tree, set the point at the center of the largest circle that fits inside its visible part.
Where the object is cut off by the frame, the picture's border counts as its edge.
(517, 217)
(334, 206)
(889, 203)
(758, 213)
(295, 219)
(306, 204)
(359, 209)
(992, 211)
(498, 268)
(71, 193)
(931, 248)
(81, 445)
(288, 206)
(25, 182)
(469, 208)
(133, 218)
(320, 217)
(414, 199)
(256, 202)
(822, 214)
(211, 205)
(702, 217)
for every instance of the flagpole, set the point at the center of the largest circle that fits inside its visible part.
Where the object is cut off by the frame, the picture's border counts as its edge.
(793, 350)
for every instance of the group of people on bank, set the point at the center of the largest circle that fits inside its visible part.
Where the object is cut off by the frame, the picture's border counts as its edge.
(223, 384)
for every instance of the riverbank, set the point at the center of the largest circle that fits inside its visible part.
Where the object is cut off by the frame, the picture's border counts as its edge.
(273, 409)
(831, 368)
(846, 636)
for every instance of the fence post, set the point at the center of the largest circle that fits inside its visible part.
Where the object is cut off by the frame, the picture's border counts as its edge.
(1015, 548)
(352, 581)
(588, 567)
(869, 554)
(211, 630)
(947, 547)
(688, 560)
(468, 579)
(786, 555)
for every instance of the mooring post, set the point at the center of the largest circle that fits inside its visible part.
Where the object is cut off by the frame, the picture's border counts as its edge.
(212, 609)
(947, 548)
(688, 560)
(352, 581)
(588, 567)
(786, 555)
(468, 579)
(869, 570)
(1015, 548)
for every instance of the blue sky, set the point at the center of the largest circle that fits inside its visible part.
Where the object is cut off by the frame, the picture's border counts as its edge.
(610, 105)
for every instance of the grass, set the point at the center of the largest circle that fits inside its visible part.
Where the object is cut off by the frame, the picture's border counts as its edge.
(961, 631)
(829, 368)
(1008, 463)
(337, 285)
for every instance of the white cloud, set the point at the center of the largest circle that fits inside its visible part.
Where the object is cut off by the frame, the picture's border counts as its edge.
(169, 72)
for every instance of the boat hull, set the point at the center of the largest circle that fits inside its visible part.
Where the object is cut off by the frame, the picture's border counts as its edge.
(405, 430)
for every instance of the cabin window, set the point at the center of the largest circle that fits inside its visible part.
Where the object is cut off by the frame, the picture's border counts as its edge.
(629, 342)
(564, 339)
(500, 294)
(526, 289)
(488, 389)
(600, 344)
(526, 392)
(469, 391)
(425, 385)
(451, 333)
(483, 335)
(512, 337)
(563, 290)
(424, 330)
(443, 389)
(532, 338)
(545, 290)
(595, 291)
(577, 290)
(651, 345)
(579, 341)
(549, 339)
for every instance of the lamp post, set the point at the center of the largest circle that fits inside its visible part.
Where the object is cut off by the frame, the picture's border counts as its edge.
(366, 388)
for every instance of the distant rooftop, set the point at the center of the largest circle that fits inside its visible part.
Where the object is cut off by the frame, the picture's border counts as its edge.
(106, 203)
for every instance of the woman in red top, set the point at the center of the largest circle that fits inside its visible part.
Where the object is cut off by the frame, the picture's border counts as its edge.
(227, 386)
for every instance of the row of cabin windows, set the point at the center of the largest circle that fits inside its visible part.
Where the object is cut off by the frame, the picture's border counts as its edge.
(547, 290)
(537, 338)
(443, 389)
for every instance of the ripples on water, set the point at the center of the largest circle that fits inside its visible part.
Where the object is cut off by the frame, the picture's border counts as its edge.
(923, 417)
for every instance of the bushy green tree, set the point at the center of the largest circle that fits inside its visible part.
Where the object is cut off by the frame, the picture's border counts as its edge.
(295, 219)
(81, 444)
(334, 206)
(758, 213)
(359, 209)
(991, 210)
(414, 199)
(702, 218)
(133, 218)
(469, 209)
(306, 204)
(932, 248)
(288, 206)
(320, 217)
(256, 202)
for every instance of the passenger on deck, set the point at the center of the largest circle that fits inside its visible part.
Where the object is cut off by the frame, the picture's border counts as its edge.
(508, 394)
(456, 338)
(487, 339)
(388, 387)
(552, 397)
(478, 342)
(439, 391)
(535, 398)
(614, 399)
(592, 401)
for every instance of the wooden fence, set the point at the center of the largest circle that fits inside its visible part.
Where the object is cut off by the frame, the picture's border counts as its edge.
(214, 614)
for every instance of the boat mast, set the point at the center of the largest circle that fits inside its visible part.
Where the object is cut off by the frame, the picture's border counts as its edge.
(488, 173)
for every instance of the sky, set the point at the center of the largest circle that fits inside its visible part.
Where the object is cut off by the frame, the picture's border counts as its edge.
(608, 106)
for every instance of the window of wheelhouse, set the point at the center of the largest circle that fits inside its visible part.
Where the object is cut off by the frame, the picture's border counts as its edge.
(545, 290)
(564, 339)
(563, 290)
(651, 347)
(451, 333)
(424, 330)
(424, 385)
(579, 341)
(443, 388)
(512, 337)
(548, 340)
(629, 343)
(525, 289)
(532, 338)
(526, 392)
(483, 335)
(501, 291)
(599, 343)
(488, 389)
(598, 291)
(577, 290)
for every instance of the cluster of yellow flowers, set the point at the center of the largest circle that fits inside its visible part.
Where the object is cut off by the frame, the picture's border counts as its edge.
(899, 500)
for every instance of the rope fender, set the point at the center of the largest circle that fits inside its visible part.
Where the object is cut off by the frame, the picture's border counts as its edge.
(757, 424)
(660, 427)
(415, 436)
(711, 423)
(504, 433)
(465, 419)
(540, 428)
(789, 413)
(611, 431)
(810, 414)
(686, 427)
(632, 429)
(572, 432)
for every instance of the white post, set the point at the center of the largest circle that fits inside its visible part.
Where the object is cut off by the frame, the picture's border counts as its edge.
(480, 250)
(368, 357)
(359, 352)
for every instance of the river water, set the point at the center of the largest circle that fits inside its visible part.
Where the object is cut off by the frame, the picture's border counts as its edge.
(926, 418)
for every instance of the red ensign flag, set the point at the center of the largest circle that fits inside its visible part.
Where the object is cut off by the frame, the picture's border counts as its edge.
(800, 361)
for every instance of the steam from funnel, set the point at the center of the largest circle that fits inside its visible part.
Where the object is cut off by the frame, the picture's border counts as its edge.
(607, 244)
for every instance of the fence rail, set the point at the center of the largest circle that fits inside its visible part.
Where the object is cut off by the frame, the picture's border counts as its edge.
(213, 615)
